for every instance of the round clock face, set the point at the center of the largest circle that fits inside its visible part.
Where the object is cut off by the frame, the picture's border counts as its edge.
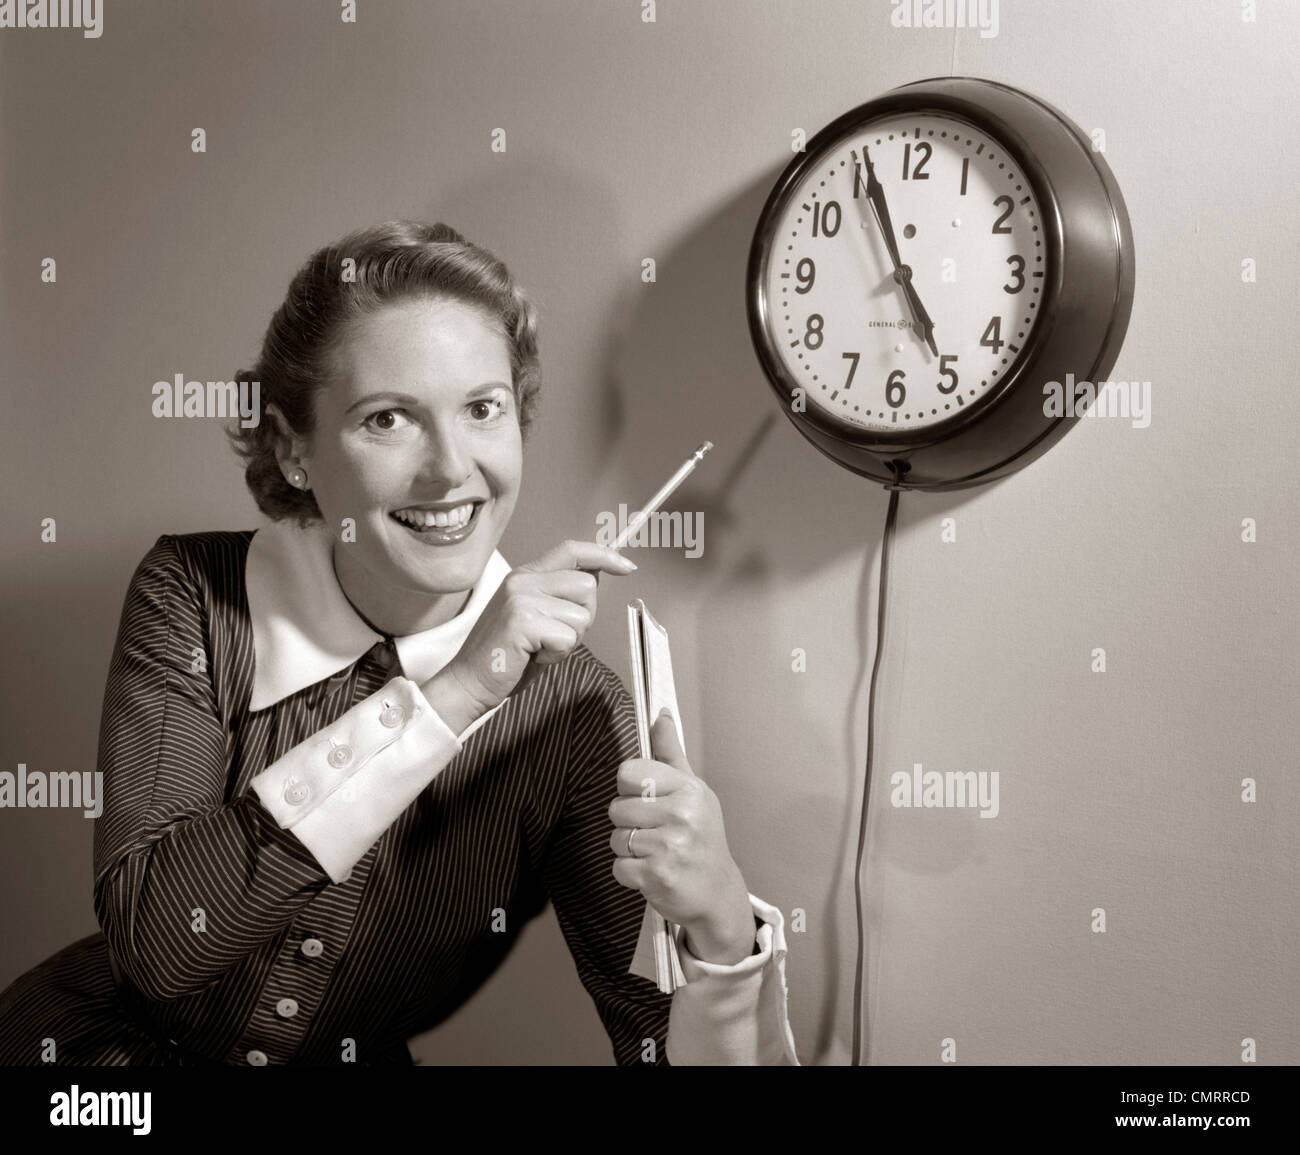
(906, 272)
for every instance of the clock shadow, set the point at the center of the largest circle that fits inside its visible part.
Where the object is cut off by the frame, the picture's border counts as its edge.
(680, 369)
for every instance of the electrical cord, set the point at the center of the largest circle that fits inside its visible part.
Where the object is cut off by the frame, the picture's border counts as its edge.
(886, 544)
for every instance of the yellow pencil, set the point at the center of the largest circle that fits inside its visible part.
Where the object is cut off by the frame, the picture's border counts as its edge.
(640, 518)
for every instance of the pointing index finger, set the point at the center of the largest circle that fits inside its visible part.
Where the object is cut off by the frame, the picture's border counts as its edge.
(584, 555)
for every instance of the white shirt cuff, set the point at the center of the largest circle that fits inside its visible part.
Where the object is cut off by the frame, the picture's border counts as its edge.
(734, 1015)
(339, 790)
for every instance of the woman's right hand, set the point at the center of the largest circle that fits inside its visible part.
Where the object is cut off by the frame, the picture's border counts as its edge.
(540, 611)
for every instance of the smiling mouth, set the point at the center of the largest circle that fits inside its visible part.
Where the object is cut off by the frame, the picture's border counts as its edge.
(442, 526)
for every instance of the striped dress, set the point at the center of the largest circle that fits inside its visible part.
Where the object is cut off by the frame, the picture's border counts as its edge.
(225, 942)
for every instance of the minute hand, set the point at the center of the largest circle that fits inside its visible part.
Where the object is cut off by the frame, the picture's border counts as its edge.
(902, 272)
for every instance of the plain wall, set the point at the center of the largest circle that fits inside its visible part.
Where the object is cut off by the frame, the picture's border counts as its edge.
(628, 140)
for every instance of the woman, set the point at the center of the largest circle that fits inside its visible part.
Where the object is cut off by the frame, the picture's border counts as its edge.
(347, 756)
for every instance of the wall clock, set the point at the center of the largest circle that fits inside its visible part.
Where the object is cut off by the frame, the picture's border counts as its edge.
(925, 267)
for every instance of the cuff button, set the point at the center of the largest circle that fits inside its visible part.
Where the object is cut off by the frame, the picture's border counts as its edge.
(340, 756)
(295, 792)
(392, 717)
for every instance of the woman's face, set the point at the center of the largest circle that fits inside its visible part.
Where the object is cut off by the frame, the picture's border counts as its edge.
(419, 429)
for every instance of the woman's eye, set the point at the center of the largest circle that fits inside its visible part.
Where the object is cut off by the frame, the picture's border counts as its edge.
(487, 409)
(385, 421)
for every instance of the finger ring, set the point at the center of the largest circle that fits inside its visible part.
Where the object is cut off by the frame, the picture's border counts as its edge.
(631, 834)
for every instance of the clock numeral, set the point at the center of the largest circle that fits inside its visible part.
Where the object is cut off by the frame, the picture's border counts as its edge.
(999, 225)
(853, 368)
(992, 338)
(923, 158)
(826, 218)
(812, 336)
(805, 272)
(895, 393)
(965, 168)
(951, 374)
(1017, 264)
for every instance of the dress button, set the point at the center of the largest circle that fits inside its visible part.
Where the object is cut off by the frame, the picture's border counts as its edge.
(256, 1058)
(313, 947)
(340, 756)
(392, 717)
(295, 792)
(286, 1008)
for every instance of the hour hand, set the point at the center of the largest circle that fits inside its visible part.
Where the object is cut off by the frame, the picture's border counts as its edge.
(919, 315)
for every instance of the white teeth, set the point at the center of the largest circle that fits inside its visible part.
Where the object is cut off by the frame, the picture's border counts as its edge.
(456, 518)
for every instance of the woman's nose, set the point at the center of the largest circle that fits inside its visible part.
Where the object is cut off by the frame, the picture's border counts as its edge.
(446, 459)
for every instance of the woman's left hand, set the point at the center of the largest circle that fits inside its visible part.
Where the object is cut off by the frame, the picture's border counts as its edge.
(679, 858)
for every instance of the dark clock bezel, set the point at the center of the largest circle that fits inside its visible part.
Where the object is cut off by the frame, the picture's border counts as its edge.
(1085, 204)
(833, 137)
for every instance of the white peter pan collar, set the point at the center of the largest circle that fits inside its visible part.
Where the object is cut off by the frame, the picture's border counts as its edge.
(305, 629)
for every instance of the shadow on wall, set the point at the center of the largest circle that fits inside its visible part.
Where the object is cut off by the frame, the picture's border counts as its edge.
(777, 513)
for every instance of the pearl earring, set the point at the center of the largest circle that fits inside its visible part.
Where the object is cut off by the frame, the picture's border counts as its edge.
(298, 478)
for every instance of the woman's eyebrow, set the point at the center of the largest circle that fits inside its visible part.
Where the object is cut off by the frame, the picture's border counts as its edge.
(403, 398)
(415, 402)
(488, 387)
